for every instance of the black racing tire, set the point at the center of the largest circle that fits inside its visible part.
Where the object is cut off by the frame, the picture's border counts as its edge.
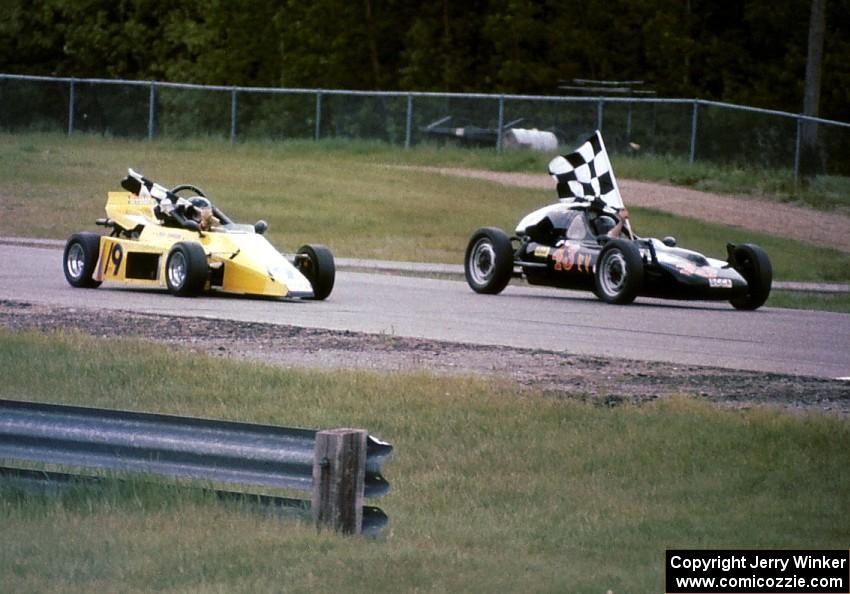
(489, 261)
(186, 269)
(618, 277)
(79, 260)
(316, 262)
(752, 263)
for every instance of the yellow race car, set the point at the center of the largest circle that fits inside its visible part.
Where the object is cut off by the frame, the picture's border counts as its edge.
(176, 239)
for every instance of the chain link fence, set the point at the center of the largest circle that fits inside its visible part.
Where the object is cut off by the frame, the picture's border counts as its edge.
(686, 128)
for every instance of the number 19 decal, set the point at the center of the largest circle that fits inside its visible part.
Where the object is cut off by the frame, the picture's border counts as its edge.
(116, 255)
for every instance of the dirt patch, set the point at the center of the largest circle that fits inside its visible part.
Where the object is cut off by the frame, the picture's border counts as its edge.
(606, 381)
(746, 212)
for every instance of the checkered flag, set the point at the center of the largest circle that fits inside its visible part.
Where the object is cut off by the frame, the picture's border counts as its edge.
(586, 174)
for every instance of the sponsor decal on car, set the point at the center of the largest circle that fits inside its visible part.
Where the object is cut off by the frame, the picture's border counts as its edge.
(570, 256)
(720, 283)
(155, 233)
(140, 201)
(694, 270)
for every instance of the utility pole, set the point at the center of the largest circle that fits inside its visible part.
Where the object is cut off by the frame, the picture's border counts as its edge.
(814, 63)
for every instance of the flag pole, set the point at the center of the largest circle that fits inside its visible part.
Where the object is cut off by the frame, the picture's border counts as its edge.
(627, 224)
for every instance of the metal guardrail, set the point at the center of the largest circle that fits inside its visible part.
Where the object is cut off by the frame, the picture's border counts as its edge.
(200, 449)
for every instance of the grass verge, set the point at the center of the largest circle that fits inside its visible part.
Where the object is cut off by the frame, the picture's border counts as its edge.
(822, 192)
(836, 302)
(343, 194)
(493, 488)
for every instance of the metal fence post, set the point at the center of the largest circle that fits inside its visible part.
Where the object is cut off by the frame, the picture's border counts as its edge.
(339, 473)
(233, 115)
(501, 123)
(318, 115)
(408, 126)
(71, 108)
(599, 108)
(693, 151)
(797, 149)
(152, 111)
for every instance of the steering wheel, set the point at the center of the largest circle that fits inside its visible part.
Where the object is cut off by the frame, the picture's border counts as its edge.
(199, 192)
(187, 187)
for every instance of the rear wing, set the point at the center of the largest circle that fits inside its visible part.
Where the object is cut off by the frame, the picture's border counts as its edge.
(136, 206)
(129, 210)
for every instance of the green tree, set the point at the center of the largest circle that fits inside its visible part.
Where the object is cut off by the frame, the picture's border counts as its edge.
(338, 44)
(743, 51)
(222, 42)
(445, 50)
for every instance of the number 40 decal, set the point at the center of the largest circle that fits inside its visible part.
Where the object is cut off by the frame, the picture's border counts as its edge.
(116, 255)
(568, 257)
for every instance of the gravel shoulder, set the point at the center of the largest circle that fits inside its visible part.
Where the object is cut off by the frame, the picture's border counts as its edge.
(600, 380)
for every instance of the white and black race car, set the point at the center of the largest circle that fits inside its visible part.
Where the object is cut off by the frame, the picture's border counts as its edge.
(559, 246)
(568, 245)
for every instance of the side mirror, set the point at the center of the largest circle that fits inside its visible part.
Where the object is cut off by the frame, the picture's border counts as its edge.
(669, 241)
(261, 227)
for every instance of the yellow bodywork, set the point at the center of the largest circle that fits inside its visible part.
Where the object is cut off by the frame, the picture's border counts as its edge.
(240, 260)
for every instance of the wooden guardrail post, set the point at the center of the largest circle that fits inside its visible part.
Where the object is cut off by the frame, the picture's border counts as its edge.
(339, 476)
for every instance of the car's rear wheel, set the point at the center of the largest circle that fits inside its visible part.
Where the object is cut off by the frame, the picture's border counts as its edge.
(489, 261)
(186, 269)
(752, 263)
(80, 259)
(619, 273)
(316, 263)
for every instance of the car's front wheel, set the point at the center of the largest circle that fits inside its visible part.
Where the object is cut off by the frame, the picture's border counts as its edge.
(752, 263)
(316, 263)
(619, 272)
(80, 259)
(186, 269)
(489, 261)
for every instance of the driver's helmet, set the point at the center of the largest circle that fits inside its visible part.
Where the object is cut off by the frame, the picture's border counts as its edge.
(604, 224)
(200, 210)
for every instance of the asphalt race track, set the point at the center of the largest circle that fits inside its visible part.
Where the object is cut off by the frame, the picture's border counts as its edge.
(769, 339)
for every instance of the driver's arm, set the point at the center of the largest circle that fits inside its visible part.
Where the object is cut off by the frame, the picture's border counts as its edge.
(622, 217)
